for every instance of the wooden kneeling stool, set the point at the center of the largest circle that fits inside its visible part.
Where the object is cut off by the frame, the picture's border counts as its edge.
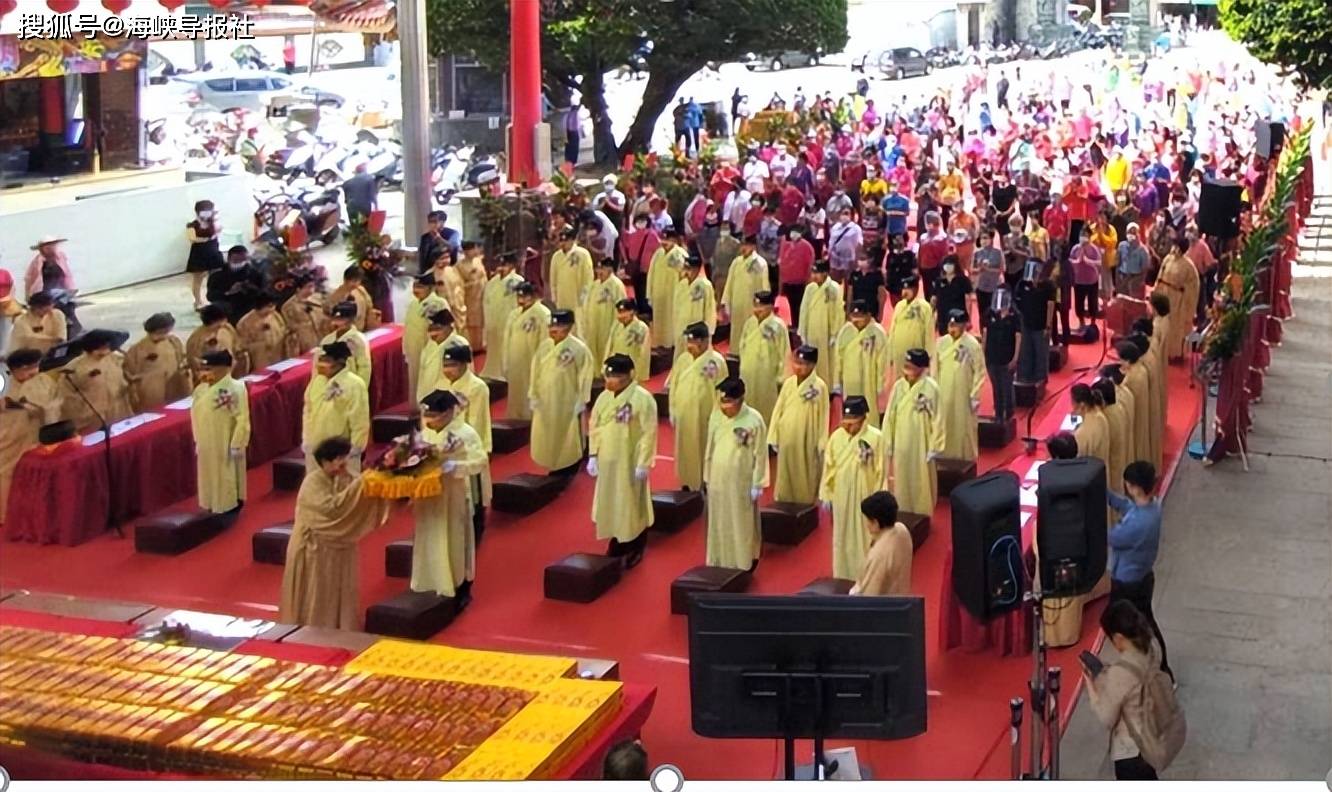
(660, 360)
(415, 615)
(674, 509)
(269, 545)
(1058, 357)
(581, 577)
(827, 586)
(173, 534)
(706, 580)
(992, 434)
(289, 472)
(526, 493)
(785, 523)
(386, 427)
(722, 333)
(918, 525)
(499, 389)
(953, 472)
(510, 434)
(398, 559)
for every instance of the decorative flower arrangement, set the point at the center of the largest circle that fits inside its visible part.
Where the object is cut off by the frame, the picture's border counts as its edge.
(864, 451)
(867, 343)
(407, 454)
(697, 294)
(224, 399)
(565, 358)
(769, 332)
(810, 394)
(744, 437)
(711, 369)
(529, 324)
(924, 404)
(333, 392)
(624, 413)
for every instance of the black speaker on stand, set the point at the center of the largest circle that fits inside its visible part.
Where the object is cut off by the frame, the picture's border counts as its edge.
(1219, 208)
(988, 571)
(1071, 538)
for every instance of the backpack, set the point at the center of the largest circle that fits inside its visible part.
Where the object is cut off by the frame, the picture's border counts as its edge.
(1154, 718)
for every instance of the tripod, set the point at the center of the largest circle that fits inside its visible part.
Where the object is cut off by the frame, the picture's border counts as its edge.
(106, 440)
(1043, 697)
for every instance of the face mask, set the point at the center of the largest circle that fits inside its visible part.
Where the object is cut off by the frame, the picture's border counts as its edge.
(793, 236)
(237, 264)
(756, 204)
(948, 269)
(207, 214)
(610, 188)
(640, 225)
(809, 204)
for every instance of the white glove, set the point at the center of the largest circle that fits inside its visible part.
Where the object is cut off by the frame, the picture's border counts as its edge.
(579, 408)
(640, 474)
(931, 456)
(672, 420)
(592, 467)
(357, 452)
(449, 466)
(975, 405)
(826, 506)
(533, 404)
(755, 493)
(236, 453)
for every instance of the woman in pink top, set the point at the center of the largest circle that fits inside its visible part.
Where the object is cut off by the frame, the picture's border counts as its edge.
(49, 268)
(1085, 261)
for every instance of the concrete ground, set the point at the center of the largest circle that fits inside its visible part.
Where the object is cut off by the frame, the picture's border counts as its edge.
(1244, 580)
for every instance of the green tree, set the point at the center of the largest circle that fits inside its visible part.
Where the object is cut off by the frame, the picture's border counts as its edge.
(1293, 34)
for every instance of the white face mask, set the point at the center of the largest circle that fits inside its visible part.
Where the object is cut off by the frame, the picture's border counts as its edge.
(948, 269)
(610, 188)
(640, 225)
(793, 236)
(206, 214)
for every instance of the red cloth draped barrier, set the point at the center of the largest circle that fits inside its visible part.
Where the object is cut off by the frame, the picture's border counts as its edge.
(50, 622)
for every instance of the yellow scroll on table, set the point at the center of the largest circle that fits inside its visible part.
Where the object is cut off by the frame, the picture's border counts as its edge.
(427, 482)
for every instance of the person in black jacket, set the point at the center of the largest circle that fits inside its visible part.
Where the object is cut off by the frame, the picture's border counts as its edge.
(436, 240)
(236, 285)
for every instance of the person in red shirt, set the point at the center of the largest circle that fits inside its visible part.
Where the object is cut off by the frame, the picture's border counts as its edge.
(931, 251)
(853, 173)
(1056, 221)
(753, 217)
(791, 205)
(1075, 198)
(723, 181)
(795, 260)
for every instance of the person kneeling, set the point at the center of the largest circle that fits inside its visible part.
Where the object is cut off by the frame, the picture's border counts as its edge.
(887, 569)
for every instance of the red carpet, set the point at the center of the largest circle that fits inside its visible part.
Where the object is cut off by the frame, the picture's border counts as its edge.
(969, 694)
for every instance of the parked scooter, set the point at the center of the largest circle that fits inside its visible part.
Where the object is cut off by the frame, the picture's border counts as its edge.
(317, 209)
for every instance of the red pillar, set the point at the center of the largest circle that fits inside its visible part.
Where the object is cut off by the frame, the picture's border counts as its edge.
(525, 87)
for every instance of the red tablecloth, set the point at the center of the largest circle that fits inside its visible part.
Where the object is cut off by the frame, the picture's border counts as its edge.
(63, 497)
(50, 622)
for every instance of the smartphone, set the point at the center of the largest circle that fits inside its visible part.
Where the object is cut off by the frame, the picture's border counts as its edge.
(1091, 662)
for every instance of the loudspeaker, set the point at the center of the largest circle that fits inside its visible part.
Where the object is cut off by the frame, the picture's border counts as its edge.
(1219, 208)
(1070, 525)
(988, 573)
(1268, 138)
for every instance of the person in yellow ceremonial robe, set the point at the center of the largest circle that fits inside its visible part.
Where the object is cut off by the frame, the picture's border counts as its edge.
(854, 467)
(959, 365)
(416, 325)
(304, 314)
(1093, 430)
(474, 403)
(215, 334)
(764, 349)
(343, 330)
(692, 385)
(913, 435)
(441, 334)
(473, 271)
(596, 312)
(822, 315)
(449, 284)
(1144, 405)
(156, 366)
(41, 326)
(1157, 331)
(499, 301)
(630, 336)
(570, 272)
(622, 447)
(1179, 281)
(319, 582)
(99, 375)
(32, 401)
(1127, 407)
(912, 328)
(444, 542)
(263, 333)
(887, 568)
(337, 404)
(747, 277)
(799, 430)
(353, 290)
(695, 301)
(220, 421)
(561, 386)
(860, 359)
(1153, 368)
(664, 274)
(735, 468)
(1120, 428)
(529, 326)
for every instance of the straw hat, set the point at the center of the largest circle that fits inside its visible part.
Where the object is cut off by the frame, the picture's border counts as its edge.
(47, 240)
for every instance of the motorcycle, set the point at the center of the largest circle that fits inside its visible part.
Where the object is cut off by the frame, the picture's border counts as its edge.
(315, 209)
(448, 171)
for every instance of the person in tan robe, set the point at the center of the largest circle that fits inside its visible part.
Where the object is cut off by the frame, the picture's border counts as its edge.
(1153, 362)
(473, 271)
(99, 375)
(215, 334)
(40, 327)
(31, 402)
(1120, 424)
(1179, 283)
(263, 333)
(1093, 431)
(1144, 405)
(353, 289)
(156, 366)
(450, 285)
(319, 585)
(887, 569)
(304, 314)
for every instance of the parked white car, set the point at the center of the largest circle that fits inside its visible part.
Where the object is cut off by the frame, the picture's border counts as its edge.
(255, 90)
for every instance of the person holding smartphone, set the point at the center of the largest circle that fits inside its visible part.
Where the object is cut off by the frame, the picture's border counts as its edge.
(1109, 687)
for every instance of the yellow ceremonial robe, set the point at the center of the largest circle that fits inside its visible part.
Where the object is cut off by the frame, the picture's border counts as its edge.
(912, 328)
(821, 318)
(444, 543)
(27, 407)
(430, 365)
(960, 369)
(632, 340)
(263, 337)
(663, 275)
(220, 421)
(526, 331)
(473, 273)
(1161, 327)
(498, 303)
(570, 274)
(1144, 406)
(416, 333)
(474, 402)
(747, 276)
(596, 314)
(1179, 281)
(622, 435)
(102, 382)
(359, 362)
(860, 364)
(158, 372)
(736, 461)
(911, 431)
(1120, 425)
(799, 429)
(217, 338)
(1155, 421)
(854, 467)
(38, 332)
(561, 385)
(764, 349)
(337, 406)
(887, 569)
(692, 385)
(319, 583)
(695, 301)
(306, 324)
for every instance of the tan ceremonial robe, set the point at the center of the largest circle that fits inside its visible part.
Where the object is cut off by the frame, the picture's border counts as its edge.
(103, 384)
(1151, 369)
(527, 330)
(220, 421)
(735, 462)
(799, 430)
(821, 318)
(1124, 399)
(692, 385)
(622, 435)
(695, 301)
(1144, 408)
(416, 334)
(887, 568)
(264, 338)
(27, 407)
(450, 281)
(632, 339)
(306, 324)
(158, 372)
(430, 365)
(444, 544)
(359, 362)
(561, 386)
(218, 338)
(473, 272)
(912, 432)
(764, 352)
(596, 315)
(747, 276)
(960, 367)
(663, 275)
(854, 467)
(337, 406)
(1180, 282)
(38, 332)
(570, 274)
(912, 328)
(1093, 436)
(498, 303)
(359, 296)
(1120, 426)
(860, 365)
(320, 583)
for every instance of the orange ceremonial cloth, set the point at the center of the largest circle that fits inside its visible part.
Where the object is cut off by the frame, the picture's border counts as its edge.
(425, 482)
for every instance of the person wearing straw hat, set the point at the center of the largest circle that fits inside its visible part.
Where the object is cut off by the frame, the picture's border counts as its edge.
(220, 423)
(49, 268)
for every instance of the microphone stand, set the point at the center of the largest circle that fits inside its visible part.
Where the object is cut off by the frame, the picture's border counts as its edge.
(106, 440)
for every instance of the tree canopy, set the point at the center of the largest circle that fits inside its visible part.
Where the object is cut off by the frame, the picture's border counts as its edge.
(1294, 34)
